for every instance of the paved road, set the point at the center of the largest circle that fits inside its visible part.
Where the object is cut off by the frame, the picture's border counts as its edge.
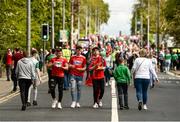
(163, 104)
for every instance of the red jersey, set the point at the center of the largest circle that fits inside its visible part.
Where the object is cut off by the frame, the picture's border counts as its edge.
(97, 74)
(56, 70)
(9, 58)
(78, 62)
(17, 56)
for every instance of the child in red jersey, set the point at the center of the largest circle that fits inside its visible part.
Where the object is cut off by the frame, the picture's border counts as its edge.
(77, 66)
(97, 66)
(58, 64)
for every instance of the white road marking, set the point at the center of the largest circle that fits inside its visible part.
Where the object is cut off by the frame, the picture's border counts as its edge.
(114, 111)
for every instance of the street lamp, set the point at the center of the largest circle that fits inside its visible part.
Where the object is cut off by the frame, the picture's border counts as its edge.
(72, 22)
(148, 28)
(28, 27)
(157, 28)
(52, 27)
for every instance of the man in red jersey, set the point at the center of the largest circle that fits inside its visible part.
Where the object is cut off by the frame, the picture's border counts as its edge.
(58, 64)
(16, 57)
(8, 63)
(97, 66)
(77, 66)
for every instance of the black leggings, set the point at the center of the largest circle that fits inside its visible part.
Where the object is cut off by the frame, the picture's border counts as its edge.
(60, 81)
(24, 85)
(98, 89)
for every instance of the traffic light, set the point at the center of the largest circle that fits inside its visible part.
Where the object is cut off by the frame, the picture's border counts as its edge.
(45, 32)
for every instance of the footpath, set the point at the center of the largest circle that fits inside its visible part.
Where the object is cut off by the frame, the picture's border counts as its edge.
(6, 87)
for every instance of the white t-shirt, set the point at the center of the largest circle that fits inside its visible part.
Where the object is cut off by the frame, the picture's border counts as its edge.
(145, 68)
(154, 63)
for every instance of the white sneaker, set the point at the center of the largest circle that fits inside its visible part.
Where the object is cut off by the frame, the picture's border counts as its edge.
(78, 105)
(54, 104)
(100, 103)
(59, 105)
(95, 105)
(106, 84)
(145, 107)
(73, 105)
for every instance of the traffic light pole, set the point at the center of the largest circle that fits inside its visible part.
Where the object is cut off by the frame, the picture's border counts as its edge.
(44, 63)
(28, 28)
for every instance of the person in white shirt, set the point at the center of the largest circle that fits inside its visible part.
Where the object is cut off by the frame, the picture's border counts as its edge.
(141, 72)
(109, 65)
(154, 65)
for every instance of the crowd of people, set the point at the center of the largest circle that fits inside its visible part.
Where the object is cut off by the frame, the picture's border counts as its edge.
(95, 64)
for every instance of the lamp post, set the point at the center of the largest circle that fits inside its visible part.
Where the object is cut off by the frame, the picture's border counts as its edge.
(148, 28)
(72, 22)
(157, 27)
(52, 27)
(28, 27)
(63, 14)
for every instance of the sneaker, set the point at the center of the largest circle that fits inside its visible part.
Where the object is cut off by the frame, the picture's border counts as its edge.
(35, 103)
(126, 107)
(73, 105)
(121, 107)
(145, 107)
(106, 84)
(140, 105)
(49, 91)
(100, 103)
(59, 105)
(95, 105)
(23, 108)
(54, 104)
(28, 104)
(78, 105)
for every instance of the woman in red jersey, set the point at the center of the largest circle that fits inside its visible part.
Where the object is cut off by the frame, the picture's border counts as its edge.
(97, 66)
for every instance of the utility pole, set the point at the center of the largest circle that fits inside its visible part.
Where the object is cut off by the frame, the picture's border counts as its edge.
(136, 22)
(72, 22)
(52, 28)
(79, 19)
(95, 21)
(86, 21)
(89, 21)
(29, 27)
(64, 15)
(148, 28)
(157, 28)
(141, 17)
(142, 30)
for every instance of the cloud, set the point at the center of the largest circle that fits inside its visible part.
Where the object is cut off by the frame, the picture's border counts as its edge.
(120, 17)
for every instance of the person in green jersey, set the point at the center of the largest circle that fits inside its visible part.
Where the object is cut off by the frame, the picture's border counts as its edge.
(123, 77)
(167, 60)
(174, 60)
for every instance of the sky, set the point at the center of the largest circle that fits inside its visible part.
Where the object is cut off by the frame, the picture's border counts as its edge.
(120, 17)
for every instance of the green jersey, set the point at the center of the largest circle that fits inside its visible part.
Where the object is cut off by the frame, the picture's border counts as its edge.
(174, 57)
(51, 56)
(168, 56)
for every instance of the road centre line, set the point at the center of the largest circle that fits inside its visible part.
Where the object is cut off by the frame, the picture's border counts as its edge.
(114, 111)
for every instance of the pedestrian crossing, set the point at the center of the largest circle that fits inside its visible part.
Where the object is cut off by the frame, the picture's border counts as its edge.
(167, 79)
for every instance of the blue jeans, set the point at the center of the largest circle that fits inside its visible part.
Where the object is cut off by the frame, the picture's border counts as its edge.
(76, 82)
(141, 86)
(66, 79)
